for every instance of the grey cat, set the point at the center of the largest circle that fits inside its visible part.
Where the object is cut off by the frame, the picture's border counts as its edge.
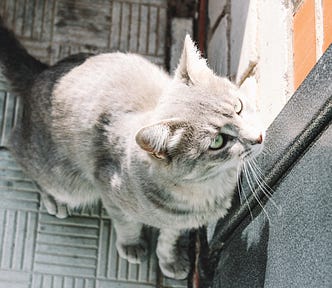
(157, 150)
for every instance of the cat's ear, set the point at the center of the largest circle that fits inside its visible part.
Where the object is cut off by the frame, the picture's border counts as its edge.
(192, 68)
(159, 138)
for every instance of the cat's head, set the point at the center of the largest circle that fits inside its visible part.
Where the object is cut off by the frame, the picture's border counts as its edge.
(203, 123)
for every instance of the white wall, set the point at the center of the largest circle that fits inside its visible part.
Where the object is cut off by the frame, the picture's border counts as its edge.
(250, 42)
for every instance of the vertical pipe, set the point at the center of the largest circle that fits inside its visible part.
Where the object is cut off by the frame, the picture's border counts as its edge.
(202, 26)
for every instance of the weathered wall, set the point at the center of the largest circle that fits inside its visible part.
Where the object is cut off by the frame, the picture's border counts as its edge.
(268, 47)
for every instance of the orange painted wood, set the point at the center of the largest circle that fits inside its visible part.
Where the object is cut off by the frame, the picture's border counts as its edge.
(327, 22)
(304, 41)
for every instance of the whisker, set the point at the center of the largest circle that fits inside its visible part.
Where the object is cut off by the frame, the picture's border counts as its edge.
(263, 187)
(263, 152)
(245, 154)
(239, 182)
(249, 180)
(259, 176)
(257, 166)
(266, 150)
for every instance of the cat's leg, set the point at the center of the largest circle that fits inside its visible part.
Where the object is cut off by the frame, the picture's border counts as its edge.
(130, 241)
(173, 257)
(54, 207)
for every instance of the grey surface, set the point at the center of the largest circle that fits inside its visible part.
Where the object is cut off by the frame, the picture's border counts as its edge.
(300, 241)
(294, 249)
(292, 246)
(38, 250)
(294, 129)
(242, 262)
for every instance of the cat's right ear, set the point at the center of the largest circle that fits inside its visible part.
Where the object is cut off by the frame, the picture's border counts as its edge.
(192, 68)
(159, 138)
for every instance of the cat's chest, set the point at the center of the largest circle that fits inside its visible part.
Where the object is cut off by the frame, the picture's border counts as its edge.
(210, 194)
(193, 205)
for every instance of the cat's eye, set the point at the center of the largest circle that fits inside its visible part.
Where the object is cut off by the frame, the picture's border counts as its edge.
(238, 106)
(218, 142)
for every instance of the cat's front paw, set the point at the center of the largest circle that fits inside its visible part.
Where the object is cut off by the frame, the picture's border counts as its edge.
(177, 269)
(172, 252)
(55, 208)
(133, 252)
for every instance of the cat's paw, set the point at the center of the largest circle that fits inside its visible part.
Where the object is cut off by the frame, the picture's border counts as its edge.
(177, 269)
(172, 253)
(62, 211)
(133, 252)
(54, 208)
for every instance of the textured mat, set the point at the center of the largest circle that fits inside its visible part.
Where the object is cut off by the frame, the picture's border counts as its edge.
(53, 29)
(38, 250)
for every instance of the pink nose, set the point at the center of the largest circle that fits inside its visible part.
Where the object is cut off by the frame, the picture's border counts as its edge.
(259, 139)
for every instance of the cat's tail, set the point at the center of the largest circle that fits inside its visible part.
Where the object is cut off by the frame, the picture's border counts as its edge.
(17, 65)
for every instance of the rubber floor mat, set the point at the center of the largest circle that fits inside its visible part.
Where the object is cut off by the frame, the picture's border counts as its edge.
(38, 250)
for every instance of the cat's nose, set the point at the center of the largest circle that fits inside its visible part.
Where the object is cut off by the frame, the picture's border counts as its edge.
(259, 140)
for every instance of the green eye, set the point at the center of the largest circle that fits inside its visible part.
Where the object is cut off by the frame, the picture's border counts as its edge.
(217, 142)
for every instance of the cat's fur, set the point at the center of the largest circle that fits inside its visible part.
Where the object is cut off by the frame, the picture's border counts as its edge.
(117, 128)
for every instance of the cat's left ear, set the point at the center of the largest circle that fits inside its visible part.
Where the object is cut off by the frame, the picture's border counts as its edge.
(158, 139)
(192, 68)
